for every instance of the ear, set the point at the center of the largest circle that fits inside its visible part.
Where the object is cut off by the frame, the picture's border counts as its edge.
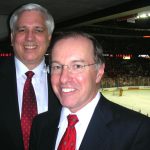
(100, 73)
(11, 39)
(49, 37)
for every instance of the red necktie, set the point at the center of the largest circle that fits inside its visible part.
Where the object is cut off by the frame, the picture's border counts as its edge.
(68, 141)
(29, 108)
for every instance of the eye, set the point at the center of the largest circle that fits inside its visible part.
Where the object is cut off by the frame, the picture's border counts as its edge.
(20, 30)
(56, 67)
(39, 30)
(77, 66)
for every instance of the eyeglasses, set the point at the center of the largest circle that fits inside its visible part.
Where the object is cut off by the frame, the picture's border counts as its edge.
(73, 68)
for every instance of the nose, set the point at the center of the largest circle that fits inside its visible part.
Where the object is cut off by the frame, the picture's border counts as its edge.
(30, 35)
(65, 75)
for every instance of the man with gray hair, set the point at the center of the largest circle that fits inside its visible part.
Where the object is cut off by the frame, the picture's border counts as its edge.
(31, 28)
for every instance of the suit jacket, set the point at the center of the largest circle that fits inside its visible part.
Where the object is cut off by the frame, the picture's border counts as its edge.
(112, 127)
(10, 127)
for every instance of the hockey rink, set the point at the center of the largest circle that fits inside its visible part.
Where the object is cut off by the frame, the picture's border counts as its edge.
(138, 100)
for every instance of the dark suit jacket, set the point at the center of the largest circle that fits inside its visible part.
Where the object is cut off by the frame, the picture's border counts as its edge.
(10, 127)
(112, 127)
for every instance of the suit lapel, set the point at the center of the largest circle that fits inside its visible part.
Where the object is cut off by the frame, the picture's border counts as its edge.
(10, 102)
(53, 101)
(98, 134)
(49, 132)
(54, 109)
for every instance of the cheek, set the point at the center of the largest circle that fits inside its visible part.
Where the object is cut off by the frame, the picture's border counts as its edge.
(44, 39)
(89, 80)
(18, 43)
(52, 80)
(55, 82)
(82, 82)
(44, 43)
(80, 79)
(18, 37)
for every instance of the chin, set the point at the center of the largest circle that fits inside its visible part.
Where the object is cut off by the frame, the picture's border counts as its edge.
(67, 103)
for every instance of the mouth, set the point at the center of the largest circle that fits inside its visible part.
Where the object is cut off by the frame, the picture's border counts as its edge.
(30, 45)
(67, 90)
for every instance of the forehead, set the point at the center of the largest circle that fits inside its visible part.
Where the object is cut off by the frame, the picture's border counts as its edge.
(73, 44)
(30, 16)
(73, 48)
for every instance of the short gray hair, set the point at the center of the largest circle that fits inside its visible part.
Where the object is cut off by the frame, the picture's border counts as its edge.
(49, 21)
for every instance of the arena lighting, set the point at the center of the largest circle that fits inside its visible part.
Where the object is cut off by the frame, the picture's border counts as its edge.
(127, 57)
(5, 54)
(146, 36)
(144, 56)
(145, 14)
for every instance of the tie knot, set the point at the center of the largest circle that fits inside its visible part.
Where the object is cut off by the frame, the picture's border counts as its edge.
(29, 74)
(72, 120)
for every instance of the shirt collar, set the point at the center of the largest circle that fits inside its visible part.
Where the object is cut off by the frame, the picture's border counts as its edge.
(90, 107)
(21, 69)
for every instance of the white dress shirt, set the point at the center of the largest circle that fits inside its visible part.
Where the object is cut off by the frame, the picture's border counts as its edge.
(84, 115)
(39, 81)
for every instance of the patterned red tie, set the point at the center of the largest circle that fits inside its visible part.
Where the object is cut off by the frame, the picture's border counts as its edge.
(29, 108)
(68, 141)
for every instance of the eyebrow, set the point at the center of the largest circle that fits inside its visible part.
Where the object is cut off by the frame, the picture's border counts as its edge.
(74, 61)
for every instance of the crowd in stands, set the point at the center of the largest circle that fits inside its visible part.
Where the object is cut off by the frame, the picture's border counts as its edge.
(133, 72)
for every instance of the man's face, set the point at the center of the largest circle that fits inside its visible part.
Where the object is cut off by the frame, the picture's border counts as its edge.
(30, 40)
(75, 90)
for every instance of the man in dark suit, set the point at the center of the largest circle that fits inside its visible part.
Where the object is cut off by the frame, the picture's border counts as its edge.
(77, 67)
(31, 30)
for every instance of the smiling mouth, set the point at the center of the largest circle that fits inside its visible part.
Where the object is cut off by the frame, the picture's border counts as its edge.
(30, 46)
(66, 90)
